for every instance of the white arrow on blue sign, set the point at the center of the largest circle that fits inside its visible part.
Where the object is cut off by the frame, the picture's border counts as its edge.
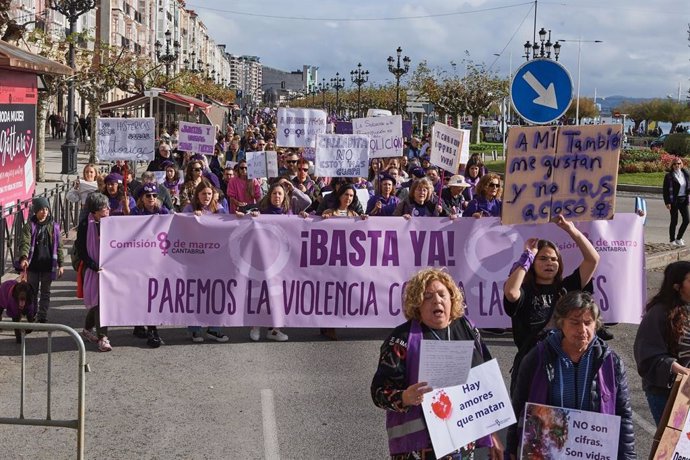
(541, 91)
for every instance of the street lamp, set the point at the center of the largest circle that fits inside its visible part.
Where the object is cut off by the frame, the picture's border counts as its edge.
(359, 77)
(542, 49)
(579, 52)
(71, 9)
(168, 58)
(323, 87)
(337, 84)
(398, 72)
(313, 89)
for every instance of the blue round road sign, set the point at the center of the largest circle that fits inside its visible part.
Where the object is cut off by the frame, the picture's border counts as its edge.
(541, 91)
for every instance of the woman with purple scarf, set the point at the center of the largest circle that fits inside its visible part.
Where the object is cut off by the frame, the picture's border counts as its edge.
(205, 202)
(433, 307)
(88, 247)
(276, 202)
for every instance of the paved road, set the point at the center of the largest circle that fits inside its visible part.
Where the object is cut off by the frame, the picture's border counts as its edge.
(305, 399)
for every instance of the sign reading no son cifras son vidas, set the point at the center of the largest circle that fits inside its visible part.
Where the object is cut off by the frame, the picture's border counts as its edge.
(347, 272)
(569, 170)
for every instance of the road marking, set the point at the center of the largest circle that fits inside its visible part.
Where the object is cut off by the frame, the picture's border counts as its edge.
(268, 414)
(644, 424)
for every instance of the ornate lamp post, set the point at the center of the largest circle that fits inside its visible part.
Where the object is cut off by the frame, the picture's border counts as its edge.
(323, 87)
(542, 49)
(359, 77)
(337, 84)
(169, 58)
(398, 72)
(71, 9)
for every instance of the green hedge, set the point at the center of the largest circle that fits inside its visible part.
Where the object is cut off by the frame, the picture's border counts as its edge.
(678, 144)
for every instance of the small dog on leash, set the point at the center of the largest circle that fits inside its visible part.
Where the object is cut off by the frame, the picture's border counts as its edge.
(17, 300)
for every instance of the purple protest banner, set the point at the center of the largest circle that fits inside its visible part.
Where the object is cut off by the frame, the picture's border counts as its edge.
(294, 272)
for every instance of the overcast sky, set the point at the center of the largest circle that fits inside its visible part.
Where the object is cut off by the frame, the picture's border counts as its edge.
(644, 52)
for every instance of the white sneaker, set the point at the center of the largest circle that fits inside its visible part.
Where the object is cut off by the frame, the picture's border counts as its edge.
(275, 334)
(675, 243)
(680, 242)
(255, 334)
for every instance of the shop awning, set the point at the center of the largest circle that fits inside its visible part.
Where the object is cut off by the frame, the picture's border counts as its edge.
(14, 58)
(191, 103)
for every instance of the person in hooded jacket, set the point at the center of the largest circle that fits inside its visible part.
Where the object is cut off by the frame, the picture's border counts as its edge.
(573, 368)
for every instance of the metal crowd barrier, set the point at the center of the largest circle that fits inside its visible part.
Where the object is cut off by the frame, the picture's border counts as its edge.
(78, 423)
(14, 216)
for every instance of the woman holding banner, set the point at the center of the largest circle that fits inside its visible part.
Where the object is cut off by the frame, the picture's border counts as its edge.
(573, 368)
(88, 248)
(433, 307)
(487, 198)
(205, 202)
(420, 202)
(276, 202)
(662, 344)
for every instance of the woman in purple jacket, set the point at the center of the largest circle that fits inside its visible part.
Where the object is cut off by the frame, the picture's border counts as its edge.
(487, 199)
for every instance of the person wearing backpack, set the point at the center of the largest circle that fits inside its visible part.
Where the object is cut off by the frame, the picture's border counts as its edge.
(575, 369)
(40, 254)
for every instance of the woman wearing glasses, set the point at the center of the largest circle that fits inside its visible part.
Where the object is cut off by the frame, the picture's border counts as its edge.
(676, 190)
(192, 178)
(536, 283)
(148, 204)
(487, 198)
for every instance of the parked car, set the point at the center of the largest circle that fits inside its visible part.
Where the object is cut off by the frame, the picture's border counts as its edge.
(658, 142)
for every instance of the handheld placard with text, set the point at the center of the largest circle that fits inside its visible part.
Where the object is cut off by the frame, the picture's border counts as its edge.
(130, 139)
(569, 170)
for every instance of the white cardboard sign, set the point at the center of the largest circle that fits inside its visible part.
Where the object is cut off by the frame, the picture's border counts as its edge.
(342, 155)
(456, 416)
(130, 139)
(299, 127)
(385, 133)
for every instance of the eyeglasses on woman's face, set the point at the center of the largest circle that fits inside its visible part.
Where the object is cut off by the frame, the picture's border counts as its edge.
(151, 195)
(494, 185)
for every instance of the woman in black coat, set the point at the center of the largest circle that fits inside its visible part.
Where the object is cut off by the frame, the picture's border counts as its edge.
(676, 190)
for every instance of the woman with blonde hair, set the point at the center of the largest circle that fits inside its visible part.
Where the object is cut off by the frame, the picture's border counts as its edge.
(434, 309)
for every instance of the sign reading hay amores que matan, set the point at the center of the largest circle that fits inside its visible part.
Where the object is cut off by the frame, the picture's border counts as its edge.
(342, 155)
(458, 415)
(197, 138)
(346, 272)
(557, 432)
(446, 147)
(385, 133)
(299, 127)
(131, 139)
(569, 170)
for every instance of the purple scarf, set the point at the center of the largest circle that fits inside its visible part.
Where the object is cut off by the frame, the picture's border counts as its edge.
(93, 238)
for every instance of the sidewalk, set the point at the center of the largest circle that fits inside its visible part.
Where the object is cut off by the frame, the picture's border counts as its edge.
(657, 254)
